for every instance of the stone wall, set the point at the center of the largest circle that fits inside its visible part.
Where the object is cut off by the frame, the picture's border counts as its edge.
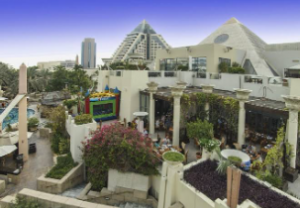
(121, 195)
(2, 186)
(55, 186)
(50, 200)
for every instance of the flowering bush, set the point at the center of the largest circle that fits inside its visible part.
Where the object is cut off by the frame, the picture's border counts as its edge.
(120, 148)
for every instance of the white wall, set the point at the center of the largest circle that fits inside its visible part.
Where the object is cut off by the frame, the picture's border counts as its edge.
(129, 83)
(78, 133)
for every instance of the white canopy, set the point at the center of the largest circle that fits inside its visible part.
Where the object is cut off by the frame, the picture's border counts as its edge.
(7, 149)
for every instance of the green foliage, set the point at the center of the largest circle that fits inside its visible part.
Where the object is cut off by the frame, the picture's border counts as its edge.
(55, 140)
(183, 67)
(63, 166)
(83, 119)
(9, 78)
(220, 107)
(235, 160)
(59, 141)
(22, 202)
(33, 122)
(275, 180)
(173, 156)
(200, 130)
(269, 170)
(58, 120)
(274, 158)
(70, 103)
(224, 67)
(119, 148)
(75, 79)
(209, 144)
(236, 70)
(63, 145)
(222, 166)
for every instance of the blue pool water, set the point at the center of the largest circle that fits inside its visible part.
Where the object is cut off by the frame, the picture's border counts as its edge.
(13, 117)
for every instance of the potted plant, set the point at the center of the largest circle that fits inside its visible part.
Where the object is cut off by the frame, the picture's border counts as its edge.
(33, 124)
(173, 158)
(69, 104)
(203, 132)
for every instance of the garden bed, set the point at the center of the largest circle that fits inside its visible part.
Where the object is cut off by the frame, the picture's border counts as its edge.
(205, 179)
(63, 166)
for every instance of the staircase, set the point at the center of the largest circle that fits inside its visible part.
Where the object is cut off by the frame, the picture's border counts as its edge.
(133, 205)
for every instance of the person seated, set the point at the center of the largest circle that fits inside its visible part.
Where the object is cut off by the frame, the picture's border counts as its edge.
(145, 132)
(250, 148)
(157, 124)
(255, 156)
(165, 141)
(246, 166)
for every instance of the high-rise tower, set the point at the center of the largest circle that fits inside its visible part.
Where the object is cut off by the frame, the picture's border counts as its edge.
(88, 53)
(143, 42)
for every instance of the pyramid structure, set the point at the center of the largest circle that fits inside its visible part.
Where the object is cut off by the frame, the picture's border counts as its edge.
(142, 42)
(234, 34)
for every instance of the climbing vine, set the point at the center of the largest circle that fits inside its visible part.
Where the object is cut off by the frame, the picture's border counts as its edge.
(220, 108)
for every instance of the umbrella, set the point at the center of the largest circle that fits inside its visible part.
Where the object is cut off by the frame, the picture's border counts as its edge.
(7, 149)
(3, 98)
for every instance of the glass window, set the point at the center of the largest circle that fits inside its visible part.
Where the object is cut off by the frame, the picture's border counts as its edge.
(226, 60)
(102, 109)
(199, 64)
(182, 64)
(168, 64)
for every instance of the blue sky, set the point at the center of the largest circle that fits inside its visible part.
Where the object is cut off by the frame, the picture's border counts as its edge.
(44, 30)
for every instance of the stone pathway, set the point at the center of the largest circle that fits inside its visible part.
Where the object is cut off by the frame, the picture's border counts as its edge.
(38, 163)
(294, 188)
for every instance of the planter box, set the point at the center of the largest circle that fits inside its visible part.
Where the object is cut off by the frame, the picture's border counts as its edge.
(57, 186)
(129, 180)
(290, 174)
(33, 129)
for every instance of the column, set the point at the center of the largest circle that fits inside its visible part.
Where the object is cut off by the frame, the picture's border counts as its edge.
(176, 93)
(152, 88)
(293, 104)
(23, 140)
(242, 95)
(208, 89)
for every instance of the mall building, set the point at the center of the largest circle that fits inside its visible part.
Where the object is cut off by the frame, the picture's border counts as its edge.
(233, 42)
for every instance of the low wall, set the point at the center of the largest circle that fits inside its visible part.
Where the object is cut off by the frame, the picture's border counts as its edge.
(78, 133)
(132, 181)
(50, 200)
(56, 186)
(2, 186)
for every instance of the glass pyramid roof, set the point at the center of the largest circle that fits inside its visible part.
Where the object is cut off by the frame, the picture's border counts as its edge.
(144, 27)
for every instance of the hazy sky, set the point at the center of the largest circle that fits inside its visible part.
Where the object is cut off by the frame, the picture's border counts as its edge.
(45, 30)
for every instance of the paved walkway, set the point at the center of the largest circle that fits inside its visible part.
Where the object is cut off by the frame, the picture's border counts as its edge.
(38, 163)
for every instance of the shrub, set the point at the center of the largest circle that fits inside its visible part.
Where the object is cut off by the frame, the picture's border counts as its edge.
(58, 120)
(60, 144)
(63, 166)
(33, 122)
(70, 103)
(224, 67)
(120, 148)
(236, 70)
(22, 202)
(173, 156)
(235, 160)
(64, 146)
(83, 119)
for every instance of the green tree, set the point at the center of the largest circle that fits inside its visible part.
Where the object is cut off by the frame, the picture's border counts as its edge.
(58, 79)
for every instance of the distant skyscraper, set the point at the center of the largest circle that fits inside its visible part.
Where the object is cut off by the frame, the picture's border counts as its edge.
(88, 53)
(77, 60)
(142, 41)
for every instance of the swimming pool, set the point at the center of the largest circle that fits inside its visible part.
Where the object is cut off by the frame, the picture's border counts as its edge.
(13, 117)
